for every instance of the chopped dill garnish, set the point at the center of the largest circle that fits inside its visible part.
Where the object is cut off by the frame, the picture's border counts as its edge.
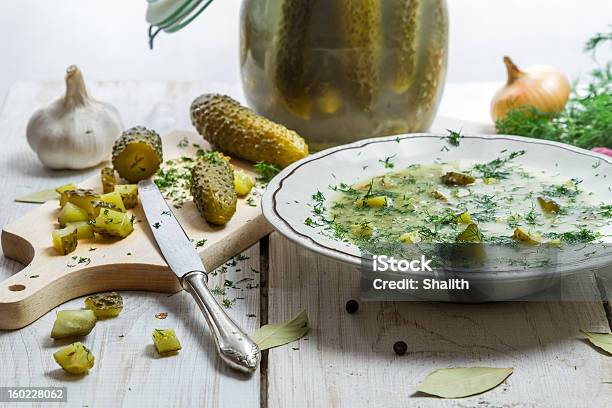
(228, 303)
(453, 137)
(387, 162)
(581, 236)
(497, 168)
(266, 171)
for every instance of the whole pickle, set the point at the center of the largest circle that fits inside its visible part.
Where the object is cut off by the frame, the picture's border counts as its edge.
(361, 23)
(238, 131)
(212, 188)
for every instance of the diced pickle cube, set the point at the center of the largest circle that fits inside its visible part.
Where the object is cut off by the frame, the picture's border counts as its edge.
(372, 202)
(71, 213)
(470, 234)
(65, 240)
(113, 223)
(524, 237)
(73, 323)
(105, 304)
(84, 229)
(362, 230)
(438, 196)
(412, 237)
(65, 187)
(75, 358)
(107, 175)
(85, 199)
(165, 341)
(115, 201)
(243, 183)
(464, 218)
(453, 178)
(548, 205)
(129, 194)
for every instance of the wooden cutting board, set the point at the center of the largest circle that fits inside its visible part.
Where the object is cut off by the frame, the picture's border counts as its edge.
(134, 263)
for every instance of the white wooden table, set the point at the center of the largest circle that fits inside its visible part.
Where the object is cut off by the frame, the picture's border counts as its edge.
(345, 360)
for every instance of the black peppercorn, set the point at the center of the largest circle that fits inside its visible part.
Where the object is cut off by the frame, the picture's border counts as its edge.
(352, 306)
(400, 348)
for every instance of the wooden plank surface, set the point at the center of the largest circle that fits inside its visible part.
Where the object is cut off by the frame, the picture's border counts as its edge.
(348, 360)
(128, 371)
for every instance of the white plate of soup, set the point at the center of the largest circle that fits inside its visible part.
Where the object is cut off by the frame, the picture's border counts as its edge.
(538, 208)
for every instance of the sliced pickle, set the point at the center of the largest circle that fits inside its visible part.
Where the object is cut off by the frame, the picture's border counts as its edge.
(137, 154)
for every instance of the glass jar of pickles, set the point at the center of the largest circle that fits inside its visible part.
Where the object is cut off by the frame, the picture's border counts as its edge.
(341, 70)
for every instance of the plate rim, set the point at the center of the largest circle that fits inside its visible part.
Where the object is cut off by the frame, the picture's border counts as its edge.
(269, 202)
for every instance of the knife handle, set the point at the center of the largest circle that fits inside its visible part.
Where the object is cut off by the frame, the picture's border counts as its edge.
(234, 346)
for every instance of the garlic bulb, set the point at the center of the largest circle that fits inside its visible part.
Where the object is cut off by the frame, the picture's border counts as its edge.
(75, 131)
(542, 87)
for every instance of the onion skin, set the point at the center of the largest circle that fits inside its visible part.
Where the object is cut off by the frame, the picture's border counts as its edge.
(603, 150)
(542, 87)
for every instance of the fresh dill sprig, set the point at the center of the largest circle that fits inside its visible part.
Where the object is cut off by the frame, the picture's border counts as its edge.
(266, 171)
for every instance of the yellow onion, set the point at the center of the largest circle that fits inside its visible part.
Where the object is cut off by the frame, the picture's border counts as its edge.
(542, 87)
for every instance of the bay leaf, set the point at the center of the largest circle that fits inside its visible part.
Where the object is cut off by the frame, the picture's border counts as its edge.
(274, 335)
(601, 340)
(462, 381)
(38, 197)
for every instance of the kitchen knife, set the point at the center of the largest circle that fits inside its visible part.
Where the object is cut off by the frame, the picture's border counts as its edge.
(233, 345)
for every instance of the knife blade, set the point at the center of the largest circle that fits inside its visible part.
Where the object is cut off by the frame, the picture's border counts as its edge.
(179, 252)
(233, 345)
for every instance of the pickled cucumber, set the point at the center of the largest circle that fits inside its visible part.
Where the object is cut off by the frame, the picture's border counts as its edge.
(453, 178)
(238, 131)
(105, 304)
(71, 213)
(84, 229)
(213, 191)
(137, 154)
(291, 63)
(107, 175)
(470, 234)
(113, 223)
(434, 66)
(65, 240)
(548, 205)
(165, 341)
(405, 46)
(361, 23)
(75, 358)
(524, 237)
(114, 200)
(65, 187)
(129, 194)
(243, 183)
(73, 323)
(84, 199)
